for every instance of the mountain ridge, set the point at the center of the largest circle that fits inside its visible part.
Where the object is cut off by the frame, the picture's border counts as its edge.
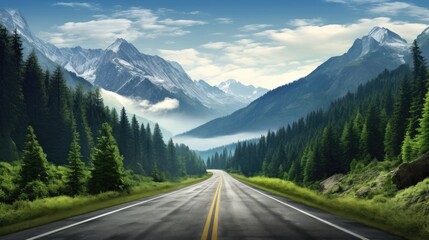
(334, 78)
(129, 72)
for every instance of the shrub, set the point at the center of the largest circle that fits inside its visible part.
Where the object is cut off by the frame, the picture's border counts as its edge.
(34, 190)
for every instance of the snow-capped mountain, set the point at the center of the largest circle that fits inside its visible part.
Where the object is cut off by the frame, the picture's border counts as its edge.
(245, 93)
(369, 56)
(382, 41)
(46, 53)
(121, 68)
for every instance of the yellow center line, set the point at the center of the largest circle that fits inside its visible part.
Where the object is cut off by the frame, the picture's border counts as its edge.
(216, 199)
(215, 221)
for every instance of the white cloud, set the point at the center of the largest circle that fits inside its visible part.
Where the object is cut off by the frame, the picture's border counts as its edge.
(76, 5)
(333, 39)
(194, 12)
(101, 31)
(182, 22)
(131, 24)
(215, 45)
(189, 57)
(389, 8)
(165, 105)
(277, 56)
(224, 20)
(305, 22)
(254, 27)
(396, 8)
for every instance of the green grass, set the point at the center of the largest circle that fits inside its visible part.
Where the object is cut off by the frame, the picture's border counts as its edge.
(26, 214)
(384, 213)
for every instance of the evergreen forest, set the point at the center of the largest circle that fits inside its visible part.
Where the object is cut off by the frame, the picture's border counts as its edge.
(386, 119)
(55, 140)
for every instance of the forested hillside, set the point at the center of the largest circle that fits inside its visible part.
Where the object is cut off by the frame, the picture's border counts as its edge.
(387, 119)
(55, 140)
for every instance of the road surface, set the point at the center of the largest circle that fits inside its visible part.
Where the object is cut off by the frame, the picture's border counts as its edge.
(218, 208)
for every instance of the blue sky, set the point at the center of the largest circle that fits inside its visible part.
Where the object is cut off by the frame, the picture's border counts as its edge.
(265, 43)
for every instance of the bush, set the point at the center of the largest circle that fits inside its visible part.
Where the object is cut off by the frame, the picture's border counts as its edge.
(34, 190)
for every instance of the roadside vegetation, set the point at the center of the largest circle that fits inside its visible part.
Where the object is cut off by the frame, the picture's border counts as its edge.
(404, 215)
(24, 214)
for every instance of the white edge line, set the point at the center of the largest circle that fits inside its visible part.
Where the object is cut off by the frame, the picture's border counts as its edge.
(308, 214)
(105, 214)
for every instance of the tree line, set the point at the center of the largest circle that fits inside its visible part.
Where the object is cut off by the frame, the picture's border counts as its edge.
(386, 119)
(56, 140)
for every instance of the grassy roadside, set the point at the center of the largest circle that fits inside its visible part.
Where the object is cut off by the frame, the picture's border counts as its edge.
(383, 215)
(25, 214)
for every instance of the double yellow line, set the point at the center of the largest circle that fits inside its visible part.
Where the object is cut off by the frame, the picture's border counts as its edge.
(215, 202)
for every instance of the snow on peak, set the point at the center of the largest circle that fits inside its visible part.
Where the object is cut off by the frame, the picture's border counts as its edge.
(378, 33)
(384, 35)
(12, 11)
(12, 19)
(117, 44)
(231, 81)
(426, 31)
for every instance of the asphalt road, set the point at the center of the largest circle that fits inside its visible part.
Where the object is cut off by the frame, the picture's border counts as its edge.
(218, 208)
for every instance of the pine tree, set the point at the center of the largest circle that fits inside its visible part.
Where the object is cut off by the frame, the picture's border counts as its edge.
(148, 150)
(35, 97)
(389, 147)
(95, 112)
(124, 138)
(295, 171)
(60, 119)
(420, 86)
(374, 137)
(349, 146)
(310, 168)
(17, 52)
(159, 149)
(108, 172)
(19, 133)
(330, 150)
(399, 118)
(422, 138)
(85, 140)
(35, 165)
(10, 96)
(408, 149)
(172, 161)
(75, 175)
(137, 164)
(47, 79)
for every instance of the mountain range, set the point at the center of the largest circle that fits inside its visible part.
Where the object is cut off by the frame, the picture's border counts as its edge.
(153, 81)
(122, 69)
(368, 56)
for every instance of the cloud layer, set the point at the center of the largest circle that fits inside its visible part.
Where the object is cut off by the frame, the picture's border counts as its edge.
(265, 54)
(131, 24)
(273, 57)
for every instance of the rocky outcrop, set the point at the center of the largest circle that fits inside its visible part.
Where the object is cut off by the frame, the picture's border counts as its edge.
(409, 174)
(329, 184)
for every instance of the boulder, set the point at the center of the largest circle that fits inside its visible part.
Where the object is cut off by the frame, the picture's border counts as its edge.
(409, 174)
(330, 183)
